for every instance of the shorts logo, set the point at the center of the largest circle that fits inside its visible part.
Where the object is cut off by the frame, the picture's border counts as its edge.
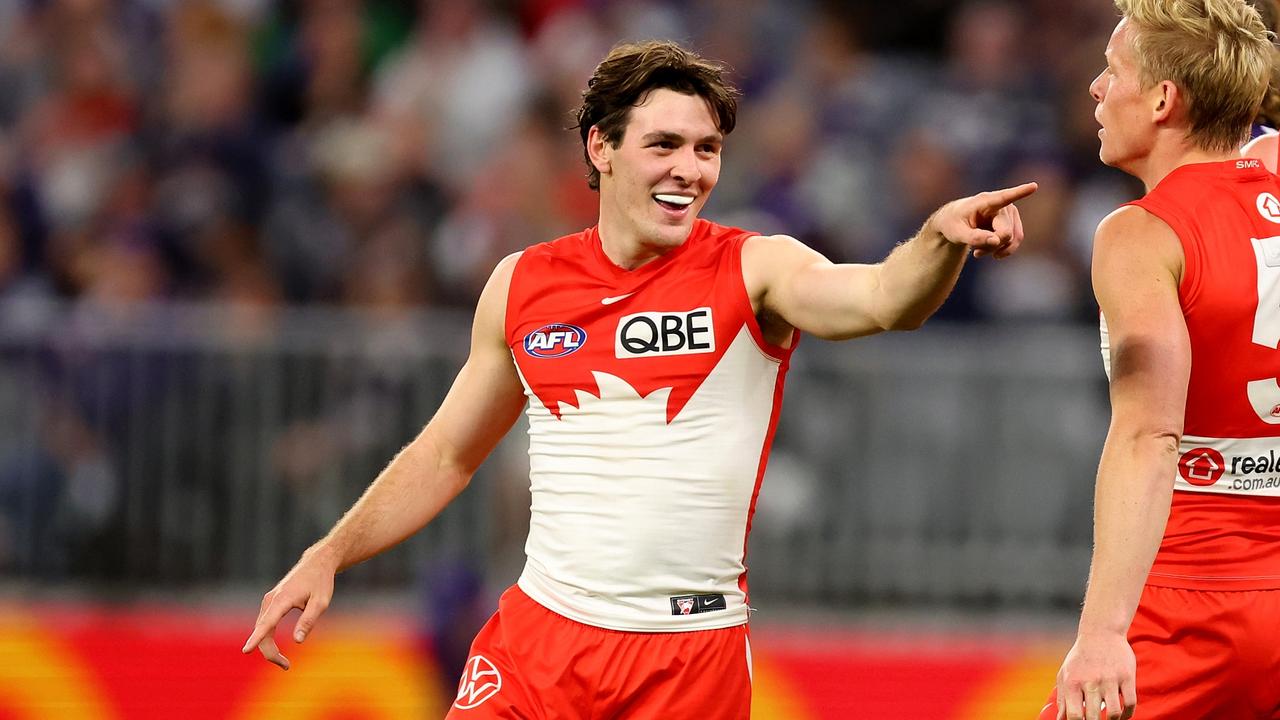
(480, 681)
(555, 340)
(694, 604)
(1201, 466)
(655, 334)
(1269, 207)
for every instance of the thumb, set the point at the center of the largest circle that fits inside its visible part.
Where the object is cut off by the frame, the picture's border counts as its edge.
(310, 615)
(977, 239)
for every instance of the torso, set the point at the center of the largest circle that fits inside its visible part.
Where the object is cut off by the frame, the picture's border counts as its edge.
(646, 450)
(1224, 525)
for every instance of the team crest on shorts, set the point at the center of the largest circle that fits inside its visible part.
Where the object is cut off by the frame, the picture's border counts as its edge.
(694, 604)
(480, 681)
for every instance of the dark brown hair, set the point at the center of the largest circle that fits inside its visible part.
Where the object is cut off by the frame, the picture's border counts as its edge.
(630, 71)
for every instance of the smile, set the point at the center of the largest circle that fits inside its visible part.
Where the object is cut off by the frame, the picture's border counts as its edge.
(673, 202)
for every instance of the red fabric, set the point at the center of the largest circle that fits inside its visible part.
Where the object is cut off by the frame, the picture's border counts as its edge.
(528, 662)
(564, 281)
(1221, 664)
(1220, 541)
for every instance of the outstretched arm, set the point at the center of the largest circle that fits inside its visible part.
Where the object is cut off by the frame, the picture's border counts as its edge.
(808, 292)
(484, 402)
(1136, 269)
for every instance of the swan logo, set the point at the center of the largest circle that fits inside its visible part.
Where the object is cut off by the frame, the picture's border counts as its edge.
(480, 681)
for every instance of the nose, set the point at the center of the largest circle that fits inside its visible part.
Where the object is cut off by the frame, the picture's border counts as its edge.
(685, 167)
(1097, 86)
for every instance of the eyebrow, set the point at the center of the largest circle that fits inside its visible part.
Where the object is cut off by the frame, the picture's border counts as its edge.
(668, 136)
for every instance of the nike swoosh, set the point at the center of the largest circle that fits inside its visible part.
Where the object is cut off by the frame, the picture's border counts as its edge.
(615, 298)
(708, 601)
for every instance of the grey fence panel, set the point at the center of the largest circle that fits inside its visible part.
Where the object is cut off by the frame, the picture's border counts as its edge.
(203, 446)
(951, 465)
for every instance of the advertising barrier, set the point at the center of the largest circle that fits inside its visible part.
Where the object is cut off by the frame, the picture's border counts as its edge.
(98, 663)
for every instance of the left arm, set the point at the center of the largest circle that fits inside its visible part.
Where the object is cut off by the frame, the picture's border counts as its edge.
(1137, 264)
(806, 291)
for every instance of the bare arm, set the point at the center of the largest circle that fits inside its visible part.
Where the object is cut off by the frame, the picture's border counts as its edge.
(836, 302)
(1136, 268)
(484, 402)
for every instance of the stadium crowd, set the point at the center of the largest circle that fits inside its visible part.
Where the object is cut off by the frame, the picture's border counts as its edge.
(384, 154)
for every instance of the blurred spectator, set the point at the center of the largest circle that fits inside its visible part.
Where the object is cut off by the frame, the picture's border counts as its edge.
(382, 155)
(285, 152)
(989, 109)
(535, 188)
(456, 89)
(354, 196)
(1045, 280)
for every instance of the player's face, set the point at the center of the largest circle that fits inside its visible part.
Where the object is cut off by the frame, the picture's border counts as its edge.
(661, 173)
(1127, 129)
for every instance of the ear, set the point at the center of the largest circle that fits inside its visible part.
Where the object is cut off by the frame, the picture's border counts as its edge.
(1165, 98)
(599, 150)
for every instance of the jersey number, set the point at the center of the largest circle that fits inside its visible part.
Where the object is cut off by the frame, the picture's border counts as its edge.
(1264, 395)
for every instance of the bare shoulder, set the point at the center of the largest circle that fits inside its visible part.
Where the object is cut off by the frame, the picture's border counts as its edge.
(506, 266)
(491, 309)
(773, 247)
(767, 258)
(1265, 148)
(1132, 248)
(1136, 232)
(766, 255)
(499, 283)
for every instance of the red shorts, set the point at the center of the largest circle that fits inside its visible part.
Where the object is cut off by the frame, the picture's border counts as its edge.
(529, 662)
(1205, 654)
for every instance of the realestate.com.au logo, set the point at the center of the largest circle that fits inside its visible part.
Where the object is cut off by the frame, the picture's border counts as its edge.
(1201, 466)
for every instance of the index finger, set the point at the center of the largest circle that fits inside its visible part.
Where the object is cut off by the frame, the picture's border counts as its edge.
(996, 199)
(266, 625)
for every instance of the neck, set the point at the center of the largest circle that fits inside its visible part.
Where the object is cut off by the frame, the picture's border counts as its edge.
(1166, 158)
(623, 242)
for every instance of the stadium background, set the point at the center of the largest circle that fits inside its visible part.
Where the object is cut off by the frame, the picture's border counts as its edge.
(239, 241)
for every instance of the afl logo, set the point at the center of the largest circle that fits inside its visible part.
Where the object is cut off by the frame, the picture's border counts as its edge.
(1201, 466)
(555, 340)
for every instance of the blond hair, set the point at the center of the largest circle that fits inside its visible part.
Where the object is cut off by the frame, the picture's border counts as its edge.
(1218, 53)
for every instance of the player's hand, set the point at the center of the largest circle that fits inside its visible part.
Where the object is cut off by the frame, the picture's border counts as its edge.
(988, 222)
(308, 587)
(1099, 670)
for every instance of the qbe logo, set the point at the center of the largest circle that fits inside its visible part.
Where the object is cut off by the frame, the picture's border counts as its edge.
(1201, 466)
(480, 681)
(555, 340)
(654, 334)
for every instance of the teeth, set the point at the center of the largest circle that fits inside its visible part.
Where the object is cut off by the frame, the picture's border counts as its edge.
(675, 199)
